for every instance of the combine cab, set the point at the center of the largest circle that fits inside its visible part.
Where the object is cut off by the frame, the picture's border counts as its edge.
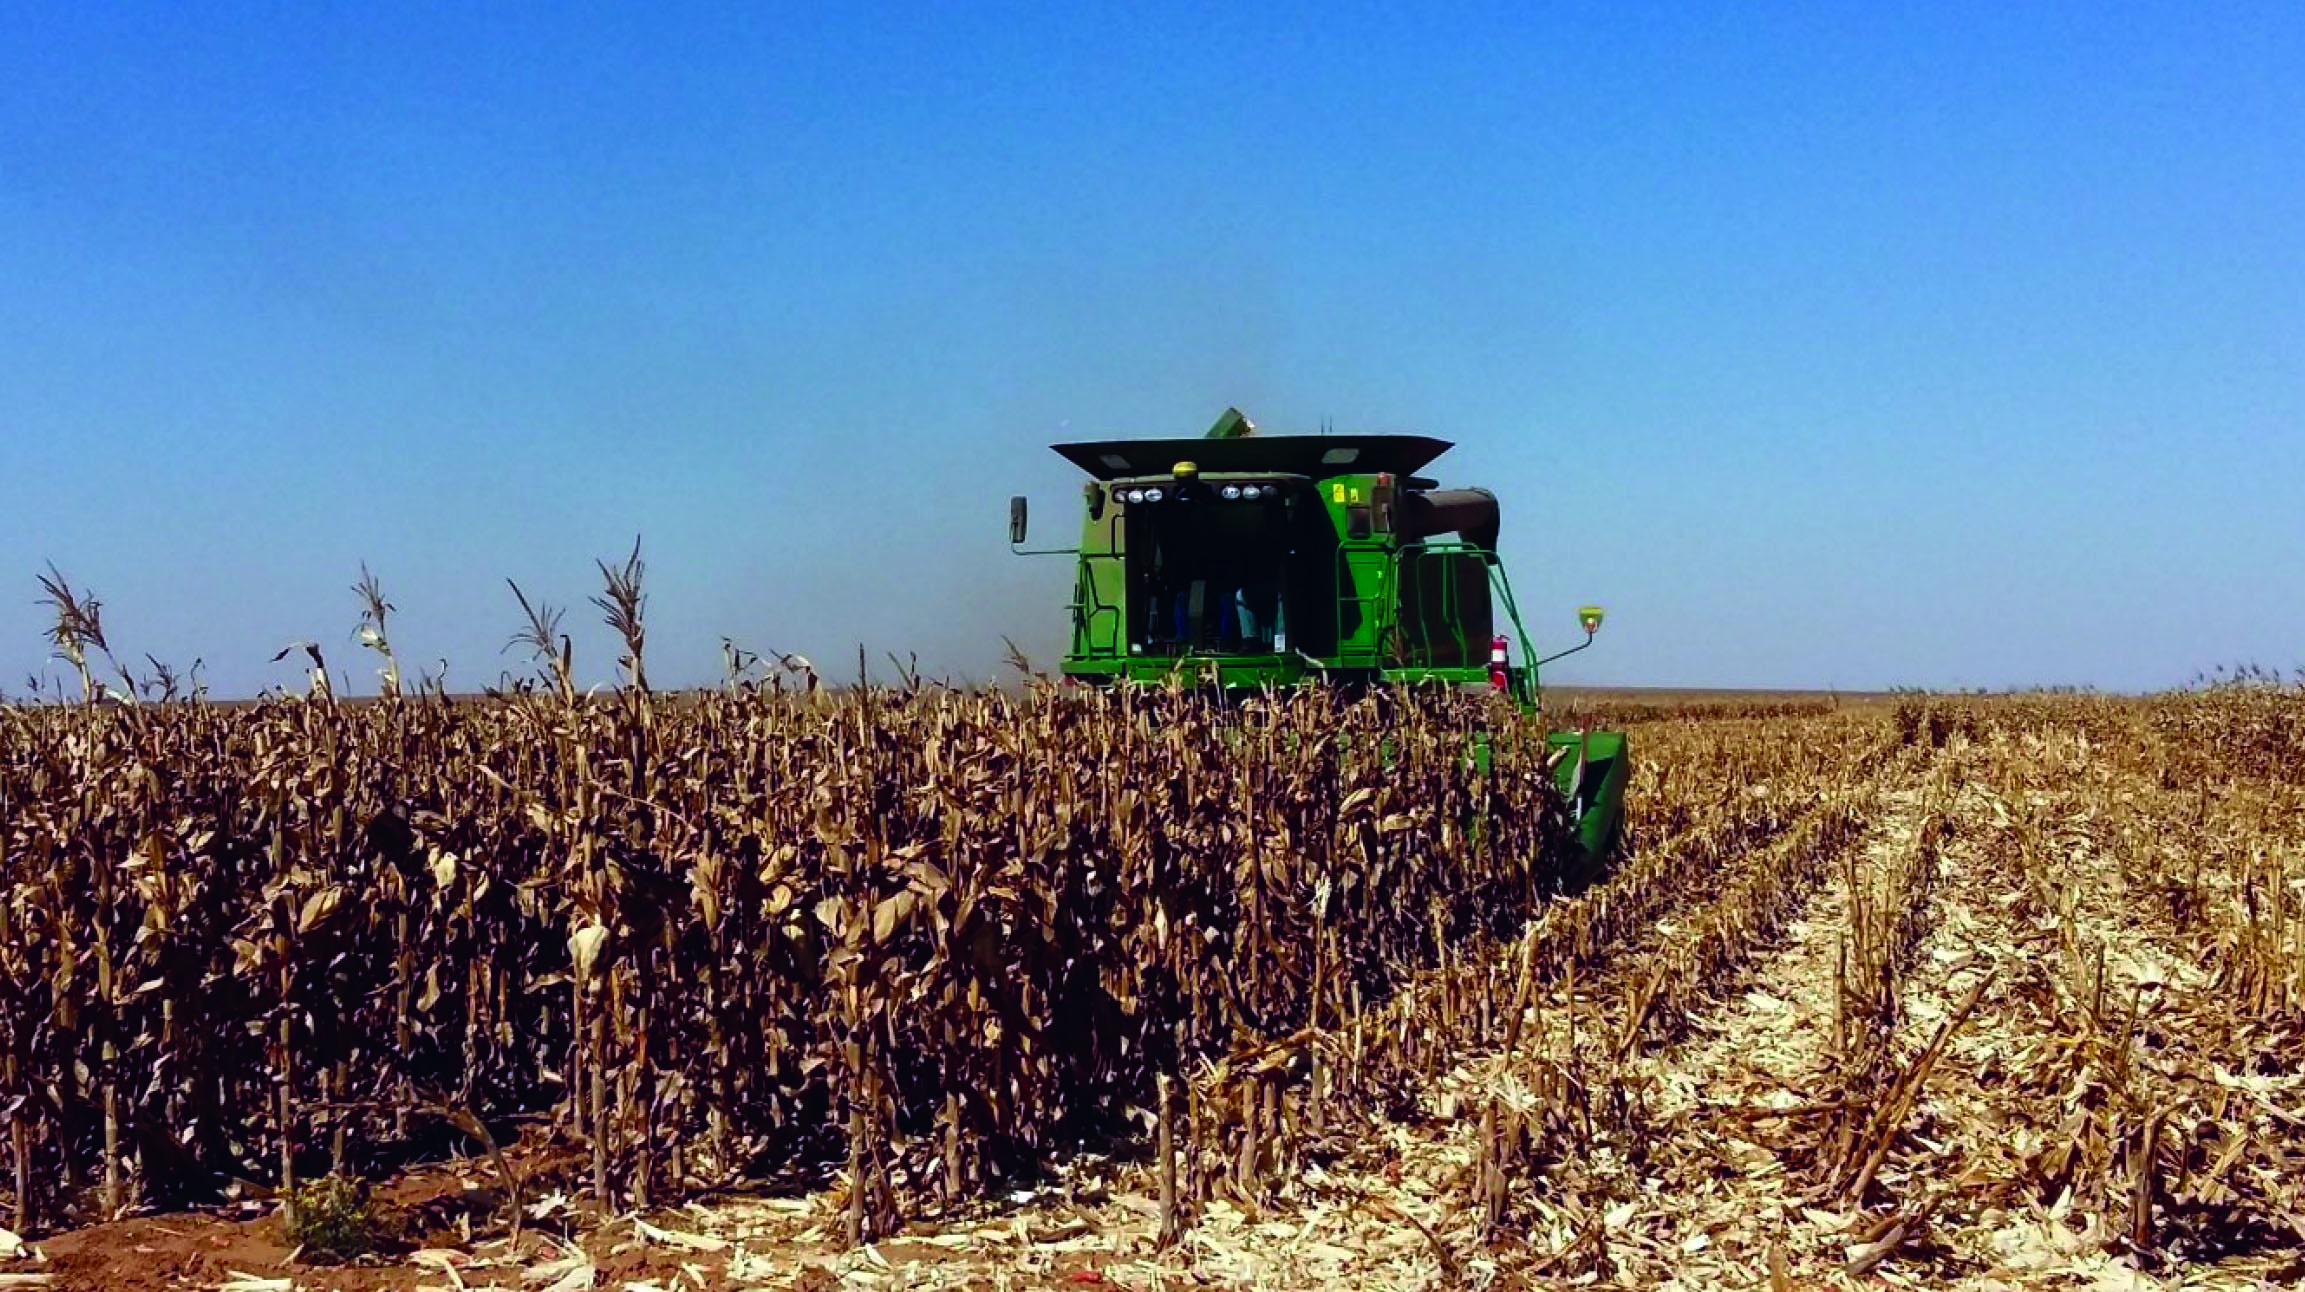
(1239, 560)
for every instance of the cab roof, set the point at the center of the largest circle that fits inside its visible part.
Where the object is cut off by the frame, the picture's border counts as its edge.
(1316, 456)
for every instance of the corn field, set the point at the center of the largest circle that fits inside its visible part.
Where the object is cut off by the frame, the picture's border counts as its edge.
(1965, 991)
(940, 936)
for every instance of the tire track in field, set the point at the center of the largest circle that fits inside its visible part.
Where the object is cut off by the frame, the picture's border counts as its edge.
(2100, 1047)
(1583, 965)
(1716, 1195)
(1559, 1123)
(1971, 1155)
(2009, 1168)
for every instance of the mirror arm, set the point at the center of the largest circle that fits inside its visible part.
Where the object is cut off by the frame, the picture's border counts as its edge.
(1562, 654)
(1043, 551)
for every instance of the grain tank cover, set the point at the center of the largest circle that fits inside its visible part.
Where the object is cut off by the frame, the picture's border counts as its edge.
(1317, 456)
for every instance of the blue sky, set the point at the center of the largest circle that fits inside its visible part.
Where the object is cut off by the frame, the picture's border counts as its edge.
(1841, 346)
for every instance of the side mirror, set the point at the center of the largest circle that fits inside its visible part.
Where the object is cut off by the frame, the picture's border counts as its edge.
(1590, 619)
(1016, 522)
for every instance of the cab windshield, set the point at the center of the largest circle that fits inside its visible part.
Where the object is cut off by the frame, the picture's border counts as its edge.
(1208, 576)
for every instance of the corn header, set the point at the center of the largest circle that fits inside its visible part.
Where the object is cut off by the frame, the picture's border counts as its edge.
(1240, 561)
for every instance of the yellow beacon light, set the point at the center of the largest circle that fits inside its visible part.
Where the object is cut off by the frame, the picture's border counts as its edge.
(1185, 470)
(1590, 617)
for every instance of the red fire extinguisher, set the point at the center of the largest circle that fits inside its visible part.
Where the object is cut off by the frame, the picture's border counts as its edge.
(1497, 661)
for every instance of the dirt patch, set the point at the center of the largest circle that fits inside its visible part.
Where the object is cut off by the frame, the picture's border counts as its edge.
(435, 1216)
(170, 1251)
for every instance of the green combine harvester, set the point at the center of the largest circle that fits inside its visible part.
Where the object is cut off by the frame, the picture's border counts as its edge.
(1240, 561)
